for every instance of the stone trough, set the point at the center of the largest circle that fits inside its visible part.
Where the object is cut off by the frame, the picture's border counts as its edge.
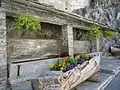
(55, 80)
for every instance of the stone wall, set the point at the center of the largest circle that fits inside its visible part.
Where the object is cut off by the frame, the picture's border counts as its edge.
(48, 40)
(48, 31)
(32, 48)
(81, 46)
(3, 51)
(38, 44)
(80, 34)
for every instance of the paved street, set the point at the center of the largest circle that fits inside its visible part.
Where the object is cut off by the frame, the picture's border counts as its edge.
(115, 84)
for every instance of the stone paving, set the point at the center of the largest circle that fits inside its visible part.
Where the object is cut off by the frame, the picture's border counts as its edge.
(115, 84)
(112, 66)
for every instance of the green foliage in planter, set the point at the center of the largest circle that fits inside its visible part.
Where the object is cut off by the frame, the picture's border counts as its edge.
(109, 34)
(28, 23)
(94, 32)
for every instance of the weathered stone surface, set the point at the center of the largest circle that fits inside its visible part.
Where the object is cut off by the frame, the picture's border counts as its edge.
(81, 46)
(30, 70)
(22, 86)
(3, 50)
(80, 34)
(32, 48)
(48, 31)
(67, 39)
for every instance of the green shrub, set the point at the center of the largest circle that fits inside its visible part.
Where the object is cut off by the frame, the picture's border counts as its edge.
(94, 32)
(109, 34)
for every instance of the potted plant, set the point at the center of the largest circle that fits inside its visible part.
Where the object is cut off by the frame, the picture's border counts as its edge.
(29, 23)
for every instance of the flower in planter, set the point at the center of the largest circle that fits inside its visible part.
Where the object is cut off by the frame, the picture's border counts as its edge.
(69, 63)
(65, 58)
(51, 65)
(77, 57)
(83, 56)
(70, 67)
(80, 61)
(24, 19)
(29, 23)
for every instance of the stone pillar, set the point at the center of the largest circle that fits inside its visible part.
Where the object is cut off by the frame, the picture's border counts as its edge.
(95, 45)
(67, 39)
(3, 50)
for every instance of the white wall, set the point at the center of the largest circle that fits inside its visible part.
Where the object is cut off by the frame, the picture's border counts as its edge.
(69, 4)
(58, 4)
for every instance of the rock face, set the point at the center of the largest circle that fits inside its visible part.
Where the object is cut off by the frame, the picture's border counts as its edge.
(106, 12)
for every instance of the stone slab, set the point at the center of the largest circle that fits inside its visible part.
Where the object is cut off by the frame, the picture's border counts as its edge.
(105, 80)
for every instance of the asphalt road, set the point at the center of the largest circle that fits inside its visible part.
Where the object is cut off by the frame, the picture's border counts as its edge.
(115, 84)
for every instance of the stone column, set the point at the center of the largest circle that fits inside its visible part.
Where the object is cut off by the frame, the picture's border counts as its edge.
(67, 39)
(3, 50)
(95, 45)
